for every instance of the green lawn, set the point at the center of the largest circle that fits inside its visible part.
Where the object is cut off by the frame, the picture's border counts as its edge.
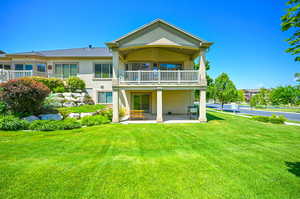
(228, 157)
(292, 110)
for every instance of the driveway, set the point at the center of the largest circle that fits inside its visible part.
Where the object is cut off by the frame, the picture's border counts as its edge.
(246, 110)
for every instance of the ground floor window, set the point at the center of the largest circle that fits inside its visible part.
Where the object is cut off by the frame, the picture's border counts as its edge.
(65, 70)
(5, 66)
(103, 70)
(105, 97)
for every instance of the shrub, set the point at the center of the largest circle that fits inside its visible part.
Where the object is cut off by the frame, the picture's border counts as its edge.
(12, 123)
(94, 120)
(3, 107)
(52, 125)
(277, 119)
(45, 125)
(59, 89)
(261, 118)
(24, 96)
(273, 119)
(70, 123)
(107, 113)
(54, 84)
(88, 100)
(82, 109)
(75, 83)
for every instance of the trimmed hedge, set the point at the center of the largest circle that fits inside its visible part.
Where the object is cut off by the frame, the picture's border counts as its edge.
(94, 120)
(273, 119)
(12, 123)
(52, 125)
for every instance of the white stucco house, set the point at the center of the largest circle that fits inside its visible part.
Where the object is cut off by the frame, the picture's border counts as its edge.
(150, 69)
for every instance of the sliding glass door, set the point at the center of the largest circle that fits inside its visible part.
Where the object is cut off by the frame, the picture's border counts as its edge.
(141, 102)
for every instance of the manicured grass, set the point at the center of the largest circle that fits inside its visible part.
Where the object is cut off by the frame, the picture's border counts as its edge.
(292, 110)
(82, 109)
(228, 157)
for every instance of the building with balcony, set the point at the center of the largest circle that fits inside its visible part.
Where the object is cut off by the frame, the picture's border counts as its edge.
(150, 70)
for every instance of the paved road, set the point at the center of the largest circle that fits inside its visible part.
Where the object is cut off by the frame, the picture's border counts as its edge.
(246, 110)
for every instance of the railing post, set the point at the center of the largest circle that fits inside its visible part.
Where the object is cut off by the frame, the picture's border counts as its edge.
(159, 76)
(139, 76)
(178, 76)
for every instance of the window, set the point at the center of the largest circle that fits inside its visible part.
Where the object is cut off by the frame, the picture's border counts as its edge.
(5, 66)
(65, 70)
(23, 66)
(170, 66)
(105, 97)
(103, 70)
(41, 67)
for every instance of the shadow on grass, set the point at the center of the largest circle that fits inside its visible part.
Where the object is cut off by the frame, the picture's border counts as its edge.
(211, 117)
(294, 168)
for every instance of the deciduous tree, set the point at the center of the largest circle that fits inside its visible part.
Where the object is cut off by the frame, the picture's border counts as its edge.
(225, 89)
(291, 21)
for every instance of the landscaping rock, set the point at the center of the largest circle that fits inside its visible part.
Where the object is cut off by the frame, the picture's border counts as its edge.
(50, 117)
(67, 94)
(86, 114)
(69, 104)
(59, 99)
(76, 95)
(74, 115)
(31, 118)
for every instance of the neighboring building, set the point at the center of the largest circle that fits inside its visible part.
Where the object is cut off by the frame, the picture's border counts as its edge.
(248, 93)
(150, 69)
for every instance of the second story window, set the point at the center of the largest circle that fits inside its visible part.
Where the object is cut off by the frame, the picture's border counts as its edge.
(65, 70)
(103, 70)
(23, 66)
(5, 66)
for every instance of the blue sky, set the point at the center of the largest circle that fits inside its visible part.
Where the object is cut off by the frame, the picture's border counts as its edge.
(248, 43)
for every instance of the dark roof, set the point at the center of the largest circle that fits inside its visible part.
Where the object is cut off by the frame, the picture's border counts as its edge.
(72, 52)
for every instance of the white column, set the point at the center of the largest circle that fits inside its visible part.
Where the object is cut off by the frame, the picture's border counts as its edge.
(202, 67)
(202, 106)
(159, 111)
(115, 118)
(115, 63)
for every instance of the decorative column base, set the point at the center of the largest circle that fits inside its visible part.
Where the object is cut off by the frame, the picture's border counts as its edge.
(159, 112)
(115, 118)
(202, 106)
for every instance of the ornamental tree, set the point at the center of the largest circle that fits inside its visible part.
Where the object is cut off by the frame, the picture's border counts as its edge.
(23, 96)
(225, 89)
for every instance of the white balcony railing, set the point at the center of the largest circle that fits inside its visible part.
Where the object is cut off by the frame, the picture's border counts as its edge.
(160, 76)
(6, 75)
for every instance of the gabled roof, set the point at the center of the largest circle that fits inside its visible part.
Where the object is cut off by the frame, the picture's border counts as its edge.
(156, 22)
(72, 52)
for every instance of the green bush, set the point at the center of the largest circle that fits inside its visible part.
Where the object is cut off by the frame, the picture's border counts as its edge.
(94, 120)
(75, 83)
(54, 84)
(3, 107)
(273, 119)
(277, 119)
(59, 89)
(23, 96)
(88, 100)
(53, 125)
(108, 113)
(65, 111)
(12, 123)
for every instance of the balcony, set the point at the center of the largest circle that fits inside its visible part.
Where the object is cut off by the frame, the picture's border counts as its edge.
(6, 75)
(159, 77)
